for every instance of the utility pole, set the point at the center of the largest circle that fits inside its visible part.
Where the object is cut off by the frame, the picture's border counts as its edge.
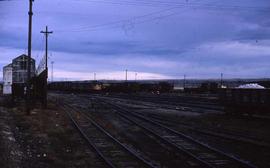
(46, 32)
(126, 75)
(28, 85)
(221, 80)
(136, 76)
(95, 75)
(52, 71)
(184, 82)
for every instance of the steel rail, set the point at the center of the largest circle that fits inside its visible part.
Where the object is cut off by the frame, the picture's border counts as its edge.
(219, 152)
(163, 103)
(135, 155)
(155, 105)
(205, 164)
(223, 135)
(88, 140)
(202, 105)
(172, 146)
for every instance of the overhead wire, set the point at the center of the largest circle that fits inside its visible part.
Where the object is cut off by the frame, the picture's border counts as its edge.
(176, 4)
(135, 20)
(40, 48)
(85, 28)
(119, 23)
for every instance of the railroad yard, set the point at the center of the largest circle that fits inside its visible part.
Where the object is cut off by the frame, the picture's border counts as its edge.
(135, 84)
(132, 130)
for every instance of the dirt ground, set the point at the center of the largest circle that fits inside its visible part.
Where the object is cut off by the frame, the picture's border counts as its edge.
(43, 139)
(10, 153)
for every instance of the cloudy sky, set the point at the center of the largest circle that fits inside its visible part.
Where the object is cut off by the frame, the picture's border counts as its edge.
(157, 39)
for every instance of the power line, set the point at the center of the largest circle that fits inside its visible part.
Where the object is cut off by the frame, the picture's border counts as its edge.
(119, 24)
(135, 20)
(39, 47)
(52, 62)
(87, 27)
(178, 4)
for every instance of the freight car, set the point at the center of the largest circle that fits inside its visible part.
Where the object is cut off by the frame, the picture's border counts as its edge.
(124, 87)
(249, 101)
(132, 87)
(160, 87)
(76, 86)
(206, 87)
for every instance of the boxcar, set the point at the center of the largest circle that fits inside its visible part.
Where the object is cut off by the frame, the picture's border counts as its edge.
(250, 101)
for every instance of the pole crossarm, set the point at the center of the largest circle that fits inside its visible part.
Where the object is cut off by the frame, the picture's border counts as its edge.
(47, 32)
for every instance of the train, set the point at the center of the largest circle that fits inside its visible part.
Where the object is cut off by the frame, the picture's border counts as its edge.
(98, 87)
(234, 100)
(245, 101)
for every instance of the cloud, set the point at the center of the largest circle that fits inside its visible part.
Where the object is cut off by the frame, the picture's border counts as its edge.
(255, 34)
(196, 42)
(114, 75)
(237, 49)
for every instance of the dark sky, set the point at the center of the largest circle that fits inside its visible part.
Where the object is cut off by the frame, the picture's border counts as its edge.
(156, 38)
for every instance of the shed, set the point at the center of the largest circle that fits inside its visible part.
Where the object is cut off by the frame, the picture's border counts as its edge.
(19, 74)
(19, 65)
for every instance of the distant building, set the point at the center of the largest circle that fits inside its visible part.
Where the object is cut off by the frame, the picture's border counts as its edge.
(7, 77)
(15, 74)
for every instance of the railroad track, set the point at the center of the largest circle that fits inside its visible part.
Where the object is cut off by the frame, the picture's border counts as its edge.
(174, 102)
(160, 105)
(155, 105)
(171, 122)
(202, 153)
(224, 135)
(167, 155)
(109, 149)
(234, 137)
(183, 98)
